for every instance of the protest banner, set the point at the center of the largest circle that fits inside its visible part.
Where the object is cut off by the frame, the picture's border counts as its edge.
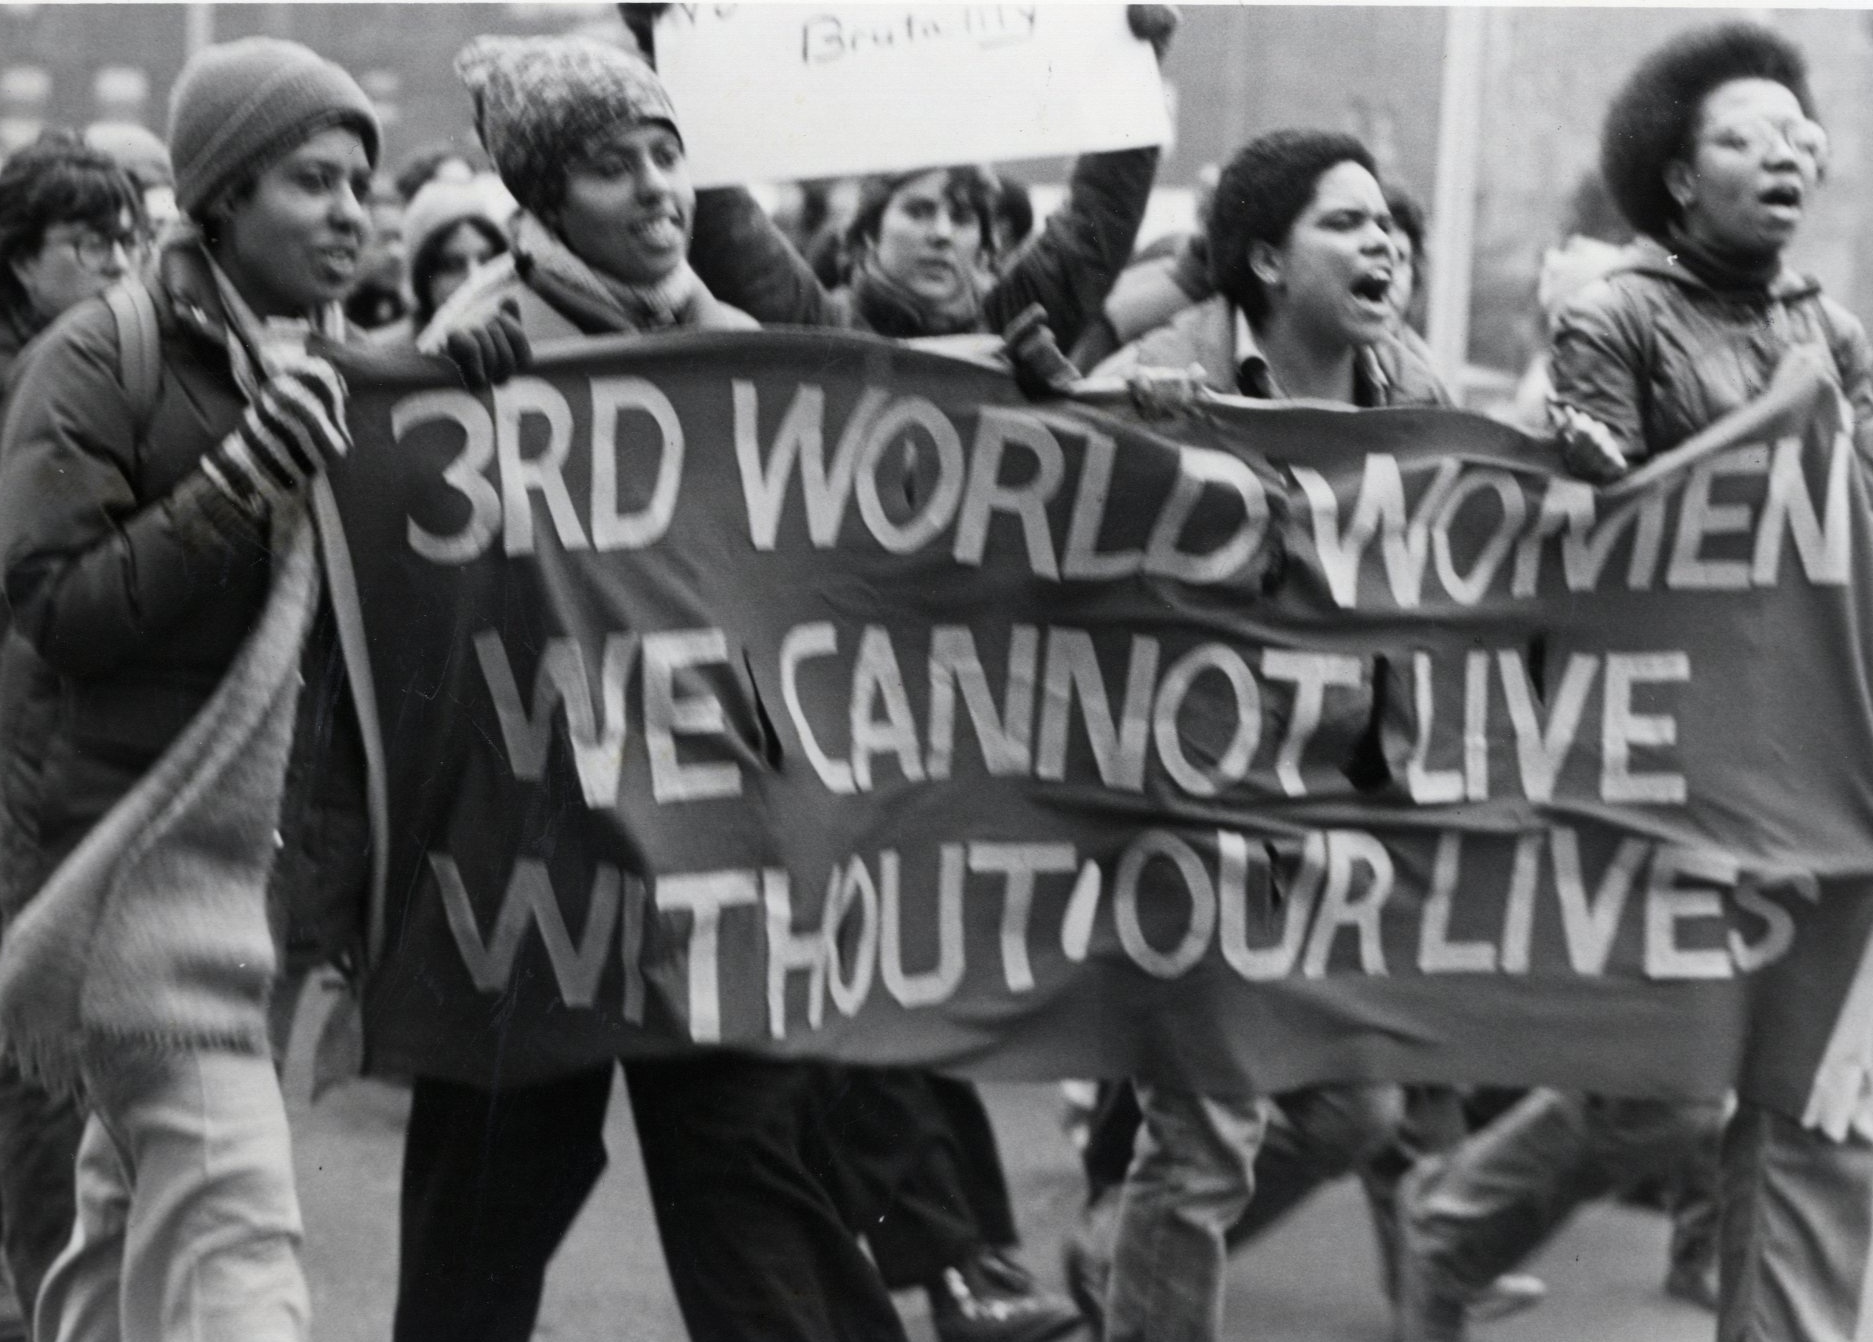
(814, 694)
(777, 93)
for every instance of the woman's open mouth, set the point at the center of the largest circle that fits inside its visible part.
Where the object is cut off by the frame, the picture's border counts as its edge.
(1374, 289)
(1783, 196)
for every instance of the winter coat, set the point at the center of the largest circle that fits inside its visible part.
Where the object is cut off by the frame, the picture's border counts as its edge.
(1656, 354)
(744, 259)
(134, 583)
(1388, 373)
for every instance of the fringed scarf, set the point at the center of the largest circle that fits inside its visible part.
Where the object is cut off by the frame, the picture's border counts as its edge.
(154, 933)
(596, 302)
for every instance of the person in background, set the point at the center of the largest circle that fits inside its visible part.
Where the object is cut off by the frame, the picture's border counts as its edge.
(753, 1234)
(142, 154)
(921, 241)
(1302, 258)
(71, 223)
(1712, 152)
(452, 230)
(1409, 233)
(377, 299)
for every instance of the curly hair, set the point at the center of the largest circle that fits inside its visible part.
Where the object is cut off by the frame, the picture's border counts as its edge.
(1262, 191)
(58, 179)
(1653, 118)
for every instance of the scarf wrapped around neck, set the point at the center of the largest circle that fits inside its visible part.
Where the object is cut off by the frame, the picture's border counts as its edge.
(153, 933)
(596, 302)
(893, 309)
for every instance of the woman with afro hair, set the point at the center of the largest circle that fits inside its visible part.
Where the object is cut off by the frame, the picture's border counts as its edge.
(1712, 153)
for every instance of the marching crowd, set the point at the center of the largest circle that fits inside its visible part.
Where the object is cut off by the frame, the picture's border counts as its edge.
(184, 830)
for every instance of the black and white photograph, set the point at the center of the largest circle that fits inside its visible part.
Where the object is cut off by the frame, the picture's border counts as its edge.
(871, 672)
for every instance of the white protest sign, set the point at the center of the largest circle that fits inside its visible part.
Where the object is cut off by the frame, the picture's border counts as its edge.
(773, 92)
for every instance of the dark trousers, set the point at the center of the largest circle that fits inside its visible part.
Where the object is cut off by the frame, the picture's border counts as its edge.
(923, 1171)
(38, 1159)
(741, 1182)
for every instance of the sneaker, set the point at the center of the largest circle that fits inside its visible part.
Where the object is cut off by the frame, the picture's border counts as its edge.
(992, 1298)
(1088, 1258)
(1694, 1285)
(1511, 1293)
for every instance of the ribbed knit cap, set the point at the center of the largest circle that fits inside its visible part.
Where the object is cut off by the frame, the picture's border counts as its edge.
(240, 105)
(540, 101)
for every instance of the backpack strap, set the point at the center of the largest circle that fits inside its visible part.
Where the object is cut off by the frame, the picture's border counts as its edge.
(139, 347)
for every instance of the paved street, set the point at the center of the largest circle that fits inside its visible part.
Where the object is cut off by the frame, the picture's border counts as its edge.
(1313, 1281)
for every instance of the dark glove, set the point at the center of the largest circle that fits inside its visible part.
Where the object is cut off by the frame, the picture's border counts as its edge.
(1040, 369)
(287, 434)
(1153, 24)
(1588, 447)
(488, 355)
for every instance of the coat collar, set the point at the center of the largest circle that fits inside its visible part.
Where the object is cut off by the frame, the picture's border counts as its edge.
(1648, 256)
(1255, 377)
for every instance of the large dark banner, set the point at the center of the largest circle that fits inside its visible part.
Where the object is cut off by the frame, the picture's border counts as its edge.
(817, 695)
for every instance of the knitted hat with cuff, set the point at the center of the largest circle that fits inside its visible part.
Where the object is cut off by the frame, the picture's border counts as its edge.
(240, 105)
(541, 101)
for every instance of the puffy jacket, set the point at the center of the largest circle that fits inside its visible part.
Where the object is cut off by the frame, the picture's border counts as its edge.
(133, 583)
(1389, 373)
(745, 260)
(1656, 354)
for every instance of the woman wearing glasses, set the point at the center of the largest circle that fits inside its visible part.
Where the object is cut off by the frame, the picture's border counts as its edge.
(71, 225)
(69, 228)
(1712, 153)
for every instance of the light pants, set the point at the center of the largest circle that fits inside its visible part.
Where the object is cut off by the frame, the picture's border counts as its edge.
(1192, 1176)
(188, 1226)
(1796, 1222)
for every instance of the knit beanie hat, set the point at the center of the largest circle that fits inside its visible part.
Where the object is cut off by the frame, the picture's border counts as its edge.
(540, 101)
(240, 105)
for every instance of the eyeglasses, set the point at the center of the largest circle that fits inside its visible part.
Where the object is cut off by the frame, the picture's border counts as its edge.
(96, 250)
(1760, 137)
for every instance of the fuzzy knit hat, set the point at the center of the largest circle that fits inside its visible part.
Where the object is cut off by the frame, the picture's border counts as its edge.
(540, 101)
(239, 105)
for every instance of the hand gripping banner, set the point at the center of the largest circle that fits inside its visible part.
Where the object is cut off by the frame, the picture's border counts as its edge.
(820, 696)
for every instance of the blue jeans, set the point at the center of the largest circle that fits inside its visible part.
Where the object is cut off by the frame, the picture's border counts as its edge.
(188, 1226)
(1192, 1177)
